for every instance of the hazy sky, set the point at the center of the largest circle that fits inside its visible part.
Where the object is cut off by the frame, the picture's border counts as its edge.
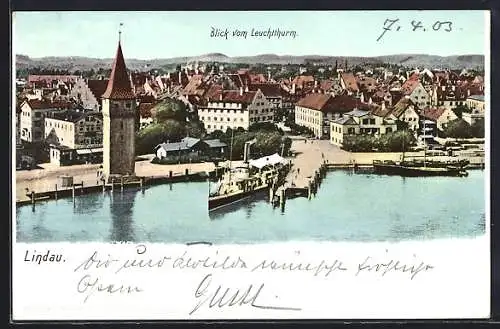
(148, 35)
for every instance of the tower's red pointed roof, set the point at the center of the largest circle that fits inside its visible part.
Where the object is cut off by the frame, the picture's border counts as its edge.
(119, 86)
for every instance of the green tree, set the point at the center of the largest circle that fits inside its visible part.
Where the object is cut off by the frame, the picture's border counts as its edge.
(477, 129)
(170, 109)
(268, 143)
(458, 129)
(396, 141)
(195, 129)
(461, 109)
(217, 134)
(156, 133)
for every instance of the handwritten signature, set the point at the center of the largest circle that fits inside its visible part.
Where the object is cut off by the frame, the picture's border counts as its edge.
(229, 297)
(394, 25)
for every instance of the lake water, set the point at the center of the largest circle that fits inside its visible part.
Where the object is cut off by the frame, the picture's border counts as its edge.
(348, 207)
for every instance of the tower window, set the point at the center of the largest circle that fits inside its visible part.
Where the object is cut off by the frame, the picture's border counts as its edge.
(121, 138)
(121, 124)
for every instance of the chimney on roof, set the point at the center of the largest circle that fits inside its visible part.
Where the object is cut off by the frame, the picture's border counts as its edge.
(220, 96)
(180, 77)
(453, 87)
(468, 92)
(443, 88)
(362, 98)
(246, 88)
(241, 91)
(293, 88)
(383, 105)
(370, 101)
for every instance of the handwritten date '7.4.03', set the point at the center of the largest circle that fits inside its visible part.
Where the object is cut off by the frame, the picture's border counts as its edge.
(396, 25)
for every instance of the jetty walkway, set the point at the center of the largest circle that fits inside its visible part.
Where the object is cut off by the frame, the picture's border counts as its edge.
(313, 157)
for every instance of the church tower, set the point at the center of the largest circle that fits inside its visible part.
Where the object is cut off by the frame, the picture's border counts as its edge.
(119, 112)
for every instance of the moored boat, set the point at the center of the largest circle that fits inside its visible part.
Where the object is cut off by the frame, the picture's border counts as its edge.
(417, 170)
(241, 182)
(421, 168)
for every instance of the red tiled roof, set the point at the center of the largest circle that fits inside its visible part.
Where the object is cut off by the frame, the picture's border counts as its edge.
(409, 86)
(97, 87)
(380, 111)
(234, 96)
(192, 88)
(326, 84)
(213, 92)
(257, 78)
(366, 83)
(119, 86)
(329, 104)
(268, 89)
(401, 106)
(315, 101)
(303, 80)
(433, 113)
(350, 81)
(45, 104)
(415, 76)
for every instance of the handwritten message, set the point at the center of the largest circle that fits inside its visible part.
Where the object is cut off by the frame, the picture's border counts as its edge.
(393, 25)
(269, 33)
(212, 293)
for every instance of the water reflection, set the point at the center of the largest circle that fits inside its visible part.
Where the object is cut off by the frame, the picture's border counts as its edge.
(89, 204)
(121, 207)
(348, 206)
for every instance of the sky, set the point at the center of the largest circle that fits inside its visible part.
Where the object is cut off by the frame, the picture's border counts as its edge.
(149, 35)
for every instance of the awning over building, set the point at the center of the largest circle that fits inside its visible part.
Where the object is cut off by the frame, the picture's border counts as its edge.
(267, 161)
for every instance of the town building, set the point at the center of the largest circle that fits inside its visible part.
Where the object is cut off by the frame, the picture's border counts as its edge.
(316, 110)
(272, 92)
(448, 96)
(191, 149)
(406, 111)
(348, 83)
(439, 115)
(472, 117)
(359, 122)
(74, 128)
(119, 116)
(476, 102)
(32, 116)
(74, 136)
(235, 109)
(414, 89)
(88, 92)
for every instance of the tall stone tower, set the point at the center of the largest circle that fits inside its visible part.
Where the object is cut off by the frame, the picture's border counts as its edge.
(119, 112)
